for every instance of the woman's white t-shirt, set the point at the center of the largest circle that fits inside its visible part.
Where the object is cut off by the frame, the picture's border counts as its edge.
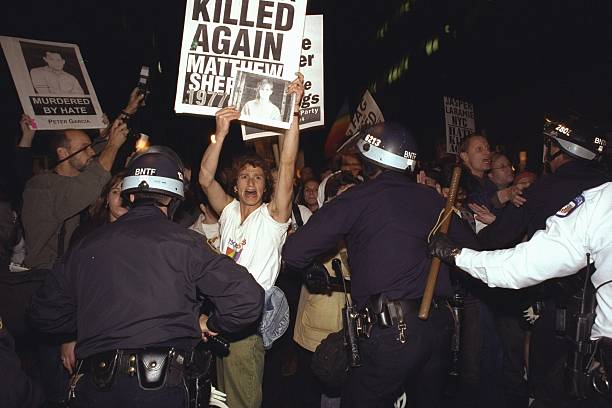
(255, 244)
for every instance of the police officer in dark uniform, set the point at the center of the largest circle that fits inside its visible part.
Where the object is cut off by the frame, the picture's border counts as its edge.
(17, 390)
(571, 148)
(385, 223)
(129, 291)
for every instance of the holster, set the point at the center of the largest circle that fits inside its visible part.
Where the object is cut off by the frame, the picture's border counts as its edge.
(152, 368)
(197, 377)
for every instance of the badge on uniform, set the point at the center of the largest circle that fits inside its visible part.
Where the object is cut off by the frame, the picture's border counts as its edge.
(568, 208)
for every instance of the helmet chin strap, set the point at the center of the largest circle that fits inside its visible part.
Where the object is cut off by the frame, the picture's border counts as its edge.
(549, 157)
(172, 206)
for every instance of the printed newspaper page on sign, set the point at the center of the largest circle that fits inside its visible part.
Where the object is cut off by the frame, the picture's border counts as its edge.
(263, 99)
(311, 65)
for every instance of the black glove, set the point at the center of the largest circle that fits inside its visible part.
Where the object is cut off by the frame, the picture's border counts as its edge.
(444, 248)
(316, 278)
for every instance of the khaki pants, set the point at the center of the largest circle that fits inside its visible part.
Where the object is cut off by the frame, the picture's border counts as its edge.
(240, 374)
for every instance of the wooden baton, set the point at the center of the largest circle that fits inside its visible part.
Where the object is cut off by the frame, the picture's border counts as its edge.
(434, 268)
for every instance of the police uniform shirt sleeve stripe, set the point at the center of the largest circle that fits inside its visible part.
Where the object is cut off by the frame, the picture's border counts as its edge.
(558, 251)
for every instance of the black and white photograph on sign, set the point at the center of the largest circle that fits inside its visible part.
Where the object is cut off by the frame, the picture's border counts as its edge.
(311, 66)
(53, 70)
(263, 99)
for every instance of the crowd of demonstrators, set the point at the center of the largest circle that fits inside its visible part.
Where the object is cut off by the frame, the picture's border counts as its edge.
(128, 257)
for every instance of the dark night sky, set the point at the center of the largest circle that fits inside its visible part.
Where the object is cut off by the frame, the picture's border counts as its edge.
(515, 60)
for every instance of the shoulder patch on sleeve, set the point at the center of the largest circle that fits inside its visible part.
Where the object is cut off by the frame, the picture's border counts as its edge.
(568, 208)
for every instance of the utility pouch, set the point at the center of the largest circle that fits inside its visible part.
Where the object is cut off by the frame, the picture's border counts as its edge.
(378, 305)
(104, 369)
(152, 368)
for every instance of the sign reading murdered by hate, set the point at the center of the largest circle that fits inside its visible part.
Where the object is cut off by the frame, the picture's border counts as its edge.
(222, 36)
(52, 83)
(459, 120)
(311, 65)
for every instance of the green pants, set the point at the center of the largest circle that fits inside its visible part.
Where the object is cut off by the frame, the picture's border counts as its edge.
(240, 374)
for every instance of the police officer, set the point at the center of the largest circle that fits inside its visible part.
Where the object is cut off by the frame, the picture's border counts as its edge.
(385, 223)
(582, 226)
(571, 149)
(129, 292)
(17, 390)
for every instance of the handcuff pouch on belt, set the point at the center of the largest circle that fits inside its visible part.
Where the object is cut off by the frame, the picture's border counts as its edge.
(152, 368)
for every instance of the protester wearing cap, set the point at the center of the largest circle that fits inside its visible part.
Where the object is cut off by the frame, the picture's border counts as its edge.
(385, 223)
(129, 291)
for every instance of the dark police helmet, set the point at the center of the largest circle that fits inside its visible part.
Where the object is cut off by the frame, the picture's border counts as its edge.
(389, 145)
(575, 137)
(156, 170)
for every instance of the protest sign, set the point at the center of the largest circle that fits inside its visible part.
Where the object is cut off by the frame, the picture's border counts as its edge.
(52, 83)
(222, 36)
(311, 65)
(367, 113)
(459, 120)
(263, 99)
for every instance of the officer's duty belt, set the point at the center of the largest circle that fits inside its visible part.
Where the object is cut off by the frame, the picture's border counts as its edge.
(154, 367)
(384, 313)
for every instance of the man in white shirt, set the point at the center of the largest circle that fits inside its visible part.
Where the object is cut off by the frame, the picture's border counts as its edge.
(52, 79)
(253, 230)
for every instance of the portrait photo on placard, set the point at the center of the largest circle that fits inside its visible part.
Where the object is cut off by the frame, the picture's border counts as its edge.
(54, 70)
(263, 99)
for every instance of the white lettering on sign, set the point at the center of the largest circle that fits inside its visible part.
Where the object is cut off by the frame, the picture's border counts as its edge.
(410, 155)
(372, 140)
(146, 171)
(563, 129)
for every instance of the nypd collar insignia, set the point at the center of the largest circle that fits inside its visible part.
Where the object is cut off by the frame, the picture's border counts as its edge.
(568, 208)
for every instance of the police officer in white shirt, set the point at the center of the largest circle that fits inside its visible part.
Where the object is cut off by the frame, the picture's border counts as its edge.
(581, 227)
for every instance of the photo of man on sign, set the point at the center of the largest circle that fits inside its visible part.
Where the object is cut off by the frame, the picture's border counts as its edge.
(53, 70)
(262, 99)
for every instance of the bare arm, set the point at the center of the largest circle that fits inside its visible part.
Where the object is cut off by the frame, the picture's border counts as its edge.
(280, 207)
(118, 135)
(217, 197)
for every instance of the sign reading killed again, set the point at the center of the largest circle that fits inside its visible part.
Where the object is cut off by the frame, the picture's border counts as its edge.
(53, 85)
(222, 36)
(459, 119)
(311, 65)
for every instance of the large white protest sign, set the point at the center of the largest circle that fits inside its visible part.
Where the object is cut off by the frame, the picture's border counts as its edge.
(52, 83)
(222, 36)
(367, 113)
(311, 66)
(459, 119)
